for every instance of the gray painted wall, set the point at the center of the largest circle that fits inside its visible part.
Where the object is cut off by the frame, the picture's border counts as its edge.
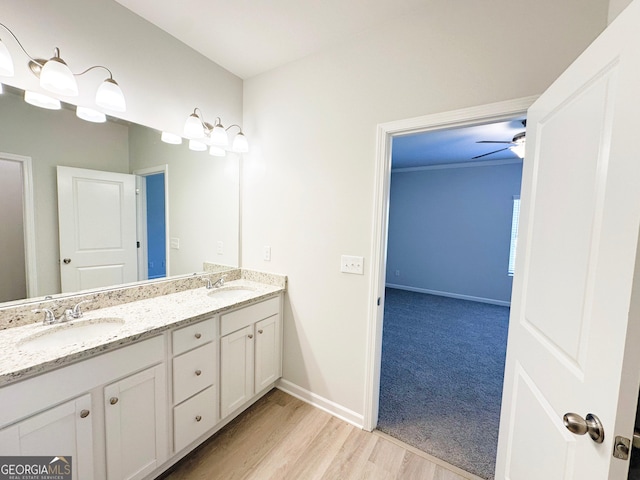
(449, 230)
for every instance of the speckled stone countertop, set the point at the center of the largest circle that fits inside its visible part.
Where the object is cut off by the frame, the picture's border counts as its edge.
(142, 318)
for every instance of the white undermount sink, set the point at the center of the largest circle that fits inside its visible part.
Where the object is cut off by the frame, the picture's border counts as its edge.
(231, 292)
(61, 335)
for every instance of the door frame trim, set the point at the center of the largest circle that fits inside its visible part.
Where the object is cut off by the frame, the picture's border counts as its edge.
(489, 113)
(28, 216)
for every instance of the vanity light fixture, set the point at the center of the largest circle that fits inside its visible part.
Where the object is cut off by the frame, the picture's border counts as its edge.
(90, 115)
(43, 101)
(1, 89)
(56, 77)
(216, 136)
(171, 138)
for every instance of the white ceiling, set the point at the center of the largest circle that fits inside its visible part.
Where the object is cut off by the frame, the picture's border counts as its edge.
(249, 37)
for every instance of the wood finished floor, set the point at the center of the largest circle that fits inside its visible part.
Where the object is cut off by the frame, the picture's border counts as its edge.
(281, 437)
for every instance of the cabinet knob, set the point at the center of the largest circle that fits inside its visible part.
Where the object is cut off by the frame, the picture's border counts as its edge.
(250, 335)
(198, 418)
(260, 331)
(113, 400)
(84, 413)
(198, 372)
(198, 335)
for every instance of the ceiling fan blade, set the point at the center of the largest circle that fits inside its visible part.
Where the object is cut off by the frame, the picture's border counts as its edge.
(490, 153)
(492, 141)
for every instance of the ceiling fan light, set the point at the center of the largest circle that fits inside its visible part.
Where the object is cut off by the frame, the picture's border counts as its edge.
(219, 136)
(42, 101)
(90, 115)
(240, 144)
(518, 149)
(56, 77)
(197, 146)
(6, 63)
(171, 138)
(217, 151)
(110, 96)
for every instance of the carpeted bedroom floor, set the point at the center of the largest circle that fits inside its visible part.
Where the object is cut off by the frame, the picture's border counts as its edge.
(441, 378)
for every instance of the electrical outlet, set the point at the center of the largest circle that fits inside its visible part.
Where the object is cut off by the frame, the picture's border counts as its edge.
(174, 242)
(352, 264)
(397, 273)
(266, 254)
(219, 247)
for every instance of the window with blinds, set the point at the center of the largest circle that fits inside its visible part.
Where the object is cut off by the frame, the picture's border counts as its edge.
(514, 234)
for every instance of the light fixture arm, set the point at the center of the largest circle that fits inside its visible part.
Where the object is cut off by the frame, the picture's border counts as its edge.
(93, 68)
(35, 60)
(235, 125)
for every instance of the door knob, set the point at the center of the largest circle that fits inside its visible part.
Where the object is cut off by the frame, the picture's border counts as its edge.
(67, 261)
(591, 425)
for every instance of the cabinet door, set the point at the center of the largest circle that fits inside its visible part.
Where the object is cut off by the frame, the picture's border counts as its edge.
(236, 369)
(268, 364)
(62, 431)
(136, 424)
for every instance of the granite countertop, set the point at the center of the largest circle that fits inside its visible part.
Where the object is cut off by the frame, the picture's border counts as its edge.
(142, 319)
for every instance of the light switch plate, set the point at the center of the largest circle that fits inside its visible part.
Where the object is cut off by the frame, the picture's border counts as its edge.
(352, 264)
(174, 242)
(266, 253)
(219, 247)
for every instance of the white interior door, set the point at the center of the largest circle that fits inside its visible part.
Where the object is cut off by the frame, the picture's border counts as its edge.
(97, 222)
(570, 336)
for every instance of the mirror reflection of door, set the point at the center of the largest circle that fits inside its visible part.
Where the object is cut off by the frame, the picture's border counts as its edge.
(13, 282)
(97, 228)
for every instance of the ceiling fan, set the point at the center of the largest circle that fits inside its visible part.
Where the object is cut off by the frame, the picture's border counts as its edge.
(516, 145)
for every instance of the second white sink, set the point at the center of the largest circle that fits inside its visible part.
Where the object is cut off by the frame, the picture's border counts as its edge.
(230, 293)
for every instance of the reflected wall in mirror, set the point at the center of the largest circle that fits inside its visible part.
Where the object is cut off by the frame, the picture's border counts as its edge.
(202, 200)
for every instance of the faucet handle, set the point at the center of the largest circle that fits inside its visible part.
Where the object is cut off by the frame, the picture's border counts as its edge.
(76, 310)
(49, 316)
(209, 284)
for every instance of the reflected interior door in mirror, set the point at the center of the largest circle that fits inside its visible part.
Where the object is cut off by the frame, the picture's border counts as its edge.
(97, 216)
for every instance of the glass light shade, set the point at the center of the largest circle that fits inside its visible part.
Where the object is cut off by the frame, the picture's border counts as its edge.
(219, 136)
(56, 77)
(1, 89)
(217, 151)
(90, 115)
(197, 146)
(6, 63)
(171, 138)
(193, 127)
(110, 96)
(42, 101)
(240, 144)
(518, 150)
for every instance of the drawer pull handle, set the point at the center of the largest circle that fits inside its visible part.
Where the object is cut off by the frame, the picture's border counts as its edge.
(198, 372)
(113, 400)
(250, 335)
(260, 331)
(198, 418)
(198, 335)
(84, 413)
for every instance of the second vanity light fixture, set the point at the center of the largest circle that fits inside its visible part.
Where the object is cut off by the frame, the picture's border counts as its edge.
(203, 135)
(56, 77)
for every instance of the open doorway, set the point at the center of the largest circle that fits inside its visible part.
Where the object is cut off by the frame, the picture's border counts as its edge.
(152, 214)
(481, 115)
(448, 290)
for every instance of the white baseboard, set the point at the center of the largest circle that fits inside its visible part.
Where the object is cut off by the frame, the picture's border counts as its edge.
(492, 301)
(322, 403)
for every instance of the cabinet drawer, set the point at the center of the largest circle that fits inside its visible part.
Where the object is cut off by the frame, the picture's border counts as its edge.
(193, 336)
(194, 418)
(233, 321)
(193, 371)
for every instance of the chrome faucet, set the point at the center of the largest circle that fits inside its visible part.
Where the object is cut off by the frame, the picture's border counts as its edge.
(218, 283)
(75, 312)
(49, 316)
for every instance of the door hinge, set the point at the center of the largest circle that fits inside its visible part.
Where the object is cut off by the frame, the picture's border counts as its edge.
(379, 301)
(137, 244)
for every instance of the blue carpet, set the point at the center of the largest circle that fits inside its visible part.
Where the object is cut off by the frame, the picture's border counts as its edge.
(441, 377)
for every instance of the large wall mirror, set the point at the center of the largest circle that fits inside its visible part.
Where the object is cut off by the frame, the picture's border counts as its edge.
(202, 192)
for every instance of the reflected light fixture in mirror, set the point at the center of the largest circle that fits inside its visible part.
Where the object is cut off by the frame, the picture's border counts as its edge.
(201, 133)
(171, 138)
(90, 115)
(56, 77)
(42, 101)
(1, 89)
